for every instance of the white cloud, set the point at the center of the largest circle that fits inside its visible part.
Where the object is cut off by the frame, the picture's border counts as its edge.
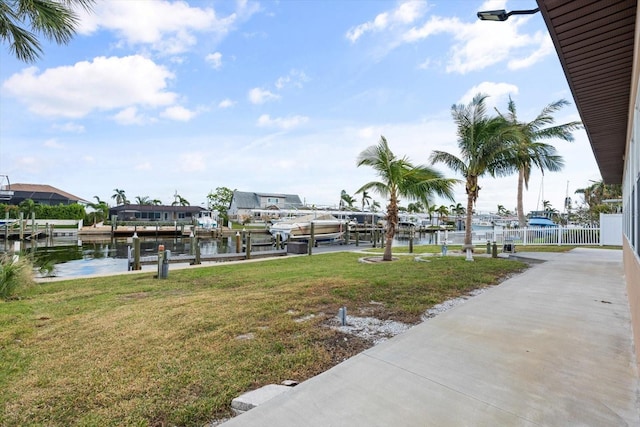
(178, 113)
(498, 94)
(476, 44)
(53, 143)
(281, 122)
(215, 59)
(480, 44)
(69, 127)
(103, 84)
(260, 96)
(167, 27)
(226, 103)
(192, 162)
(129, 116)
(295, 78)
(405, 14)
(546, 48)
(144, 166)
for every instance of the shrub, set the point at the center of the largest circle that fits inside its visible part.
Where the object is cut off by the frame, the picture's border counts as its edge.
(15, 276)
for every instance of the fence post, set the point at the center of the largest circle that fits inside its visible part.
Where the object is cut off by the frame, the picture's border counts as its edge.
(559, 235)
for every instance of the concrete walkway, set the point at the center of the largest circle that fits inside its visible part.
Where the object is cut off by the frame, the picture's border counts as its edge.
(550, 347)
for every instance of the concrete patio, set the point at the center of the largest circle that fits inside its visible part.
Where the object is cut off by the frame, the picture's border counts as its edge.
(549, 347)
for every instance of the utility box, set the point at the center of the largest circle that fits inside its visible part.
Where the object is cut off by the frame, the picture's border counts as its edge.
(297, 247)
(509, 246)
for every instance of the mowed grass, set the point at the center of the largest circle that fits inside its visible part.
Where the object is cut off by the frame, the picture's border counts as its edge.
(134, 350)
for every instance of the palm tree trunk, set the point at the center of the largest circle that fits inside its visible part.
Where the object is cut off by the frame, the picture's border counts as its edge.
(467, 222)
(472, 191)
(522, 221)
(392, 224)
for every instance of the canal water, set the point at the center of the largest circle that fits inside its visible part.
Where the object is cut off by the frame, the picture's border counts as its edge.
(69, 257)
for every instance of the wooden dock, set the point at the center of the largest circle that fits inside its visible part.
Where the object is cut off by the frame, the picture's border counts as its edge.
(13, 234)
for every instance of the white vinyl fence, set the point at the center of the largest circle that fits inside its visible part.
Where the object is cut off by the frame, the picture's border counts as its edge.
(528, 236)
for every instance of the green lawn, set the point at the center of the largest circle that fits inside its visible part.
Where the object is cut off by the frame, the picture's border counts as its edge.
(133, 350)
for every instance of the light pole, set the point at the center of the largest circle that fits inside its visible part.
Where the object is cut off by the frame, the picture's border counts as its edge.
(503, 15)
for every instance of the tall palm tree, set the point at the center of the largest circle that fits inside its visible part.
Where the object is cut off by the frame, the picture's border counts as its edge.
(482, 151)
(400, 178)
(55, 20)
(530, 152)
(120, 197)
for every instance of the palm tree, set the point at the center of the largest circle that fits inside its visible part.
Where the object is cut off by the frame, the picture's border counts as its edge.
(365, 199)
(120, 197)
(375, 205)
(431, 211)
(156, 202)
(458, 209)
(179, 200)
(101, 209)
(346, 201)
(55, 20)
(143, 200)
(27, 206)
(442, 212)
(483, 151)
(530, 152)
(415, 207)
(400, 178)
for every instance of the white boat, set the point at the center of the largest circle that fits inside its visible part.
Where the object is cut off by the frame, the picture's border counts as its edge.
(325, 227)
(206, 220)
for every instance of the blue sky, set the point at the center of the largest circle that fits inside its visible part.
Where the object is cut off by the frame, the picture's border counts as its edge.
(157, 97)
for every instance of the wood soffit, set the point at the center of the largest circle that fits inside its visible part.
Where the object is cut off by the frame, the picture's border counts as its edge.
(594, 40)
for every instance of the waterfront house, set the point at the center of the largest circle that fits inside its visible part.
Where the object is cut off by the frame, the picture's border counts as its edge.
(41, 194)
(244, 203)
(130, 212)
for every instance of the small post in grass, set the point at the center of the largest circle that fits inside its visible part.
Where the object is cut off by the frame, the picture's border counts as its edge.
(311, 238)
(248, 245)
(136, 252)
(197, 251)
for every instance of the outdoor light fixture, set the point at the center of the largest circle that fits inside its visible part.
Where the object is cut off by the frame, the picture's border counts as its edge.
(503, 15)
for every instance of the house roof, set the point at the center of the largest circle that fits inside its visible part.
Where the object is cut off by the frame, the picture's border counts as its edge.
(594, 40)
(246, 200)
(39, 191)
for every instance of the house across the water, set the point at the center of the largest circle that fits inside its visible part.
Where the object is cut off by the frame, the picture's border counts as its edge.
(155, 213)
(248, 205)
(41, 194)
